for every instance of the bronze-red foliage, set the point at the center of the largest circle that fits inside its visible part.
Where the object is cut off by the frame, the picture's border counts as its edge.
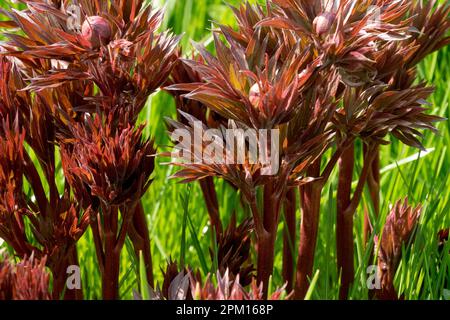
(326, 75)
(397, 232)
(115, 164)
(26, 280)
(61, 74)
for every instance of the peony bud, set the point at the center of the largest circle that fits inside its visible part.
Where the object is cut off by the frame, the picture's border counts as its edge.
(323, 23)
(254, 95)
(96, 31)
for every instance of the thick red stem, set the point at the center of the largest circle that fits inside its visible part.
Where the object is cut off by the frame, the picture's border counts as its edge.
(266, 239)
(266, 251)
(59, 270)
(289, 239)
(212, 204)
(139, 235)
(310, 204)
(59, 282)
(373, 182)
(344, 222)
(110, 275)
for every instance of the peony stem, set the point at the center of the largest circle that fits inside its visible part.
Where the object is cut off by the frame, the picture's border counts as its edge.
(212, 204)
(373, 183)
(289, 239)
(344, 223)
(139, 235)
(110, 276)
(59, 270)
(346, 208)
(266, 238)
(310, 204)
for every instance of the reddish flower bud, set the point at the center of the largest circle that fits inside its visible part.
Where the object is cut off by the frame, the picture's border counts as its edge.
(254, 95)
(96, 31)
(323, 23)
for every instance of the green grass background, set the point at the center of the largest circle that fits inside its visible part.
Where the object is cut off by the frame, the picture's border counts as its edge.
(424, 273)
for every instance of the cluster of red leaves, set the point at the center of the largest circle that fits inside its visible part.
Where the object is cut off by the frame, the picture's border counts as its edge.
(78, 83)
(57, 222)
(266, 87)
(186, 285)
(26, 280)
(397, 232)
(233, 251)
(115, 164)
(325, 74)
(229, 289)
